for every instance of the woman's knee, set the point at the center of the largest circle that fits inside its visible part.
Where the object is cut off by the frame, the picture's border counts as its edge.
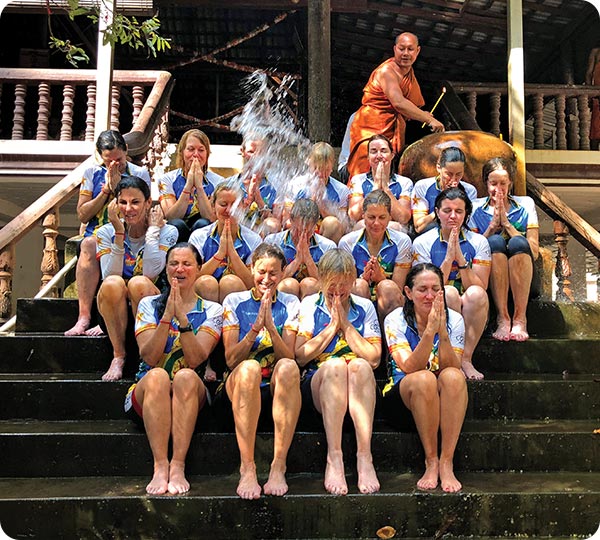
(290, 286)
(140, 286)
(334, 367)
(308, 286)
(518, 245)
(248, 373)
(361, 288)
(452, 297)
(452, 379)
(286, 373)
(360, 369)
(497, 244)
(112, 288)
(207, 287)
(156, 381)
(476, 296)
(186, 382)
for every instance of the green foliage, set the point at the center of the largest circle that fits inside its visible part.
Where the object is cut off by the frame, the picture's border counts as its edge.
(123, 31)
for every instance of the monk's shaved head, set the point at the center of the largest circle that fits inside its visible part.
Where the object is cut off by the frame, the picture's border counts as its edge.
(407, 34)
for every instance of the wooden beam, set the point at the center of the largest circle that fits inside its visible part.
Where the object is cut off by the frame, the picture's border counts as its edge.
(104, 69)
(340, 6)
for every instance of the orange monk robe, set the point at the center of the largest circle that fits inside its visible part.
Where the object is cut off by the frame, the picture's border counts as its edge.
(595, 125)
(378, 116)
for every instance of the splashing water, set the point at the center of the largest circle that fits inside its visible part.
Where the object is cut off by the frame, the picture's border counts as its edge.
(282, 156)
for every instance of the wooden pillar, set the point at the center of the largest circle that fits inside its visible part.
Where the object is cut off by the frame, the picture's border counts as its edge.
(7, 264)
(516, 90)
(319, 70)
(104, 69)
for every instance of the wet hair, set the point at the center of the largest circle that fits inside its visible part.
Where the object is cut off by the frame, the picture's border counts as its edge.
(322, 153)
(498, 164)
(334, 263)
(225, 186)
(109, 140)
(202, 137)
(380, 137)
(305, 209)
(378, 197)
(267, 251)
(409, 306)
(160, 303)
(133, 182)
(452, 154)
(452, 194)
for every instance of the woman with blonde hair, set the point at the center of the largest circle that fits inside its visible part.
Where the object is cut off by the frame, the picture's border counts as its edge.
(339, 345)
(185, 191)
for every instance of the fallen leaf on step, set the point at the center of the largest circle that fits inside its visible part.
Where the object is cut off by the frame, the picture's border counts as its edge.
(386, 532)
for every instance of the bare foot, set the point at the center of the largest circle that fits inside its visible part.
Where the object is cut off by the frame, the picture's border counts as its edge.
(209, 373)
(80, 327)
(449, 482)
(502, 333)
(276, 485)
(95, 331)
(335, 478)
(470, 372)
(430, 479)
(518, 331)
(367, 477)
(248, 488)
(115, 371)
(159, 483)
(178, 484)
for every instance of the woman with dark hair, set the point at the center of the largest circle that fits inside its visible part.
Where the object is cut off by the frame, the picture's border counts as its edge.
(450, 167)
(131, 250)
(397, 187)
(465, 260)
(176, 331)
(185, 191)
(263, 380)
(510, 224)
(96, 191)
(383, 256)
(339, 346)
(425, 340)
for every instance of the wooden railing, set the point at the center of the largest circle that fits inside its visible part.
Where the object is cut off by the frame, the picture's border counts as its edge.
(145, 140)
(558, 116)
(571, 132)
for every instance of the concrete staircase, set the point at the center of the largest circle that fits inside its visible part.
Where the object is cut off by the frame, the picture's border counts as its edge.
(73, 467)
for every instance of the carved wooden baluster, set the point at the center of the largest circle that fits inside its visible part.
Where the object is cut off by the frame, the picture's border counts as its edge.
(561, 126)
(598, 283)
(573, 124)
(563, 266)
(43, 112)
(472, 104)
(138, 101)
(7, 263)
(584, 122)
(114, 108)
(495, 113)
(0, 96)
(66, 130)
(90, 114)
(538, 121)
(49, 266)
(18, 129)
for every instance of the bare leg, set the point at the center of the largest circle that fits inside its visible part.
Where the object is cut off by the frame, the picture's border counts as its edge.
(188, 395)
(520, 271)
(285, 385)
(139, 287)
(361, 288)
(289, 285)
(419, 393)
(229, 284)
(308, 286)
(332, 228)
(453, 406)
(243, 389)
(329, 388)
(499, 285)
(475, 307)
(87, 276)
(389, 297)
(207, 287)
(361, 404)
(112, 304)
(153, 393)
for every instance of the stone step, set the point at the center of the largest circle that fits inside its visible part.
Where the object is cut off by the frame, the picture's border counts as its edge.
(545, 319)
(55, 353)
(73, 448)
(81, 396)
(500, 505)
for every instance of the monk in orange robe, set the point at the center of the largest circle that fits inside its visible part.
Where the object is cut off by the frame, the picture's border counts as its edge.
(391, 97)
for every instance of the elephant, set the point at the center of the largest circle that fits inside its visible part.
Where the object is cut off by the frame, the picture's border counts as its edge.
(419, 159)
